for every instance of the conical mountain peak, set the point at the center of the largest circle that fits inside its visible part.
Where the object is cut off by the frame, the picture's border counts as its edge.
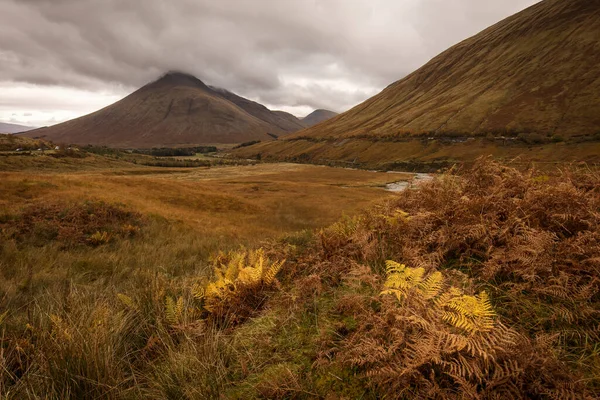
(176, 109)
(177, 78)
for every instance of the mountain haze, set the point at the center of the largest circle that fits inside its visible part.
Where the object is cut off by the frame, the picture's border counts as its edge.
(535, 74)
(13, 128)
(317, 117)
(177, 109)
(288, 122)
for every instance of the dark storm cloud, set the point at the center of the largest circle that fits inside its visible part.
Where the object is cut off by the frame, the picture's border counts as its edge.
(316, 53)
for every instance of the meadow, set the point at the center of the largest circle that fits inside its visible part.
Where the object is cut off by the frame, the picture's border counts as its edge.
(121, 281)
(78, 233)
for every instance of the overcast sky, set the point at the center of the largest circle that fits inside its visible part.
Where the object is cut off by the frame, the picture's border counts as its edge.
(60, 59)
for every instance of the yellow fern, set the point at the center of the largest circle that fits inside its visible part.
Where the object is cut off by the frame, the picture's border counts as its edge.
(127, 301)
(432, 286)
(249, 276)
(174, 310)
(400, 279)
(469, 313)
(271, 272)
(242, 269)
(199, 291)
(396, 217)
(3, 316)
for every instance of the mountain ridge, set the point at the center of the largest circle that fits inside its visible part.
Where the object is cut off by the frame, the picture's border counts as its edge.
(175, 110)
(318, 116)
(533, 76)
(6, 127)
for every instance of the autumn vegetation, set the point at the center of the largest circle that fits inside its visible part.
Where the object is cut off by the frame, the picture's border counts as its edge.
(482, 283)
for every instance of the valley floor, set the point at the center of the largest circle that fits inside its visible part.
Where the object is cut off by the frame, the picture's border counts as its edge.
(121, 281)
(249, 203)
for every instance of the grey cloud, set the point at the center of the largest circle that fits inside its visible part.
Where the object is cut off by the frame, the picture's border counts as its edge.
(256, 48)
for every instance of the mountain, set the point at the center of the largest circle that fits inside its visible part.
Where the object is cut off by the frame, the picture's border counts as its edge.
(177, 109)
(537, 71)
(288, 123)
(533, 78)
(14, 128)
(317, 117)
(290, 117)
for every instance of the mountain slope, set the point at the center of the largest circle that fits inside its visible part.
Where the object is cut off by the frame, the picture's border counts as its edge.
(537, 71)
(13, 128)
(290, 117)
(317, 117)
(261, 112)
(177, 109)
(533, 77)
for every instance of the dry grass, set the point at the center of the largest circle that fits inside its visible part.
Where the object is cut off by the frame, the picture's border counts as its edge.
(240, 203)
(499, 298)
(529, 240)
(90, 255)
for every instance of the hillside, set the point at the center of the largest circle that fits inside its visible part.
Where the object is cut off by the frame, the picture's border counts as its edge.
(177, 109)
(10, 143)
(13, 128)
(284, 121)
(533, 77)
(317, 117)
(290, 117)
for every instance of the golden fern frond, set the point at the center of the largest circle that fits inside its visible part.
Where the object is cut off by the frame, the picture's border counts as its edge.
(127, 301)
(259, 260)
(392, 267)
(431, 286)
(245, 269)
(174, 310)
(400, 279)
(470, 313)
(271, 272)
(396, 217)
(170, 310)
(198, 291)
(235, 265)
(248, 276)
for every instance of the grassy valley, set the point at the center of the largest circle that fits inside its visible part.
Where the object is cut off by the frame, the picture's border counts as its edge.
(296, 281)
(441, 240)
(82, 237)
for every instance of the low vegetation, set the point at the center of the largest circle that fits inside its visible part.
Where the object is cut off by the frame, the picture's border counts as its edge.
(425, 153)
(246, 144)
(482, 283)
(10, 143)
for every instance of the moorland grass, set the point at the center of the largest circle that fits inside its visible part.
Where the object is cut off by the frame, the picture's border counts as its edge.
(498, 298)
(90, 256)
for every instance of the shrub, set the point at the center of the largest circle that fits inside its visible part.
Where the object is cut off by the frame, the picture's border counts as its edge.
(69, 224)
(532, 243)
(99, 238)
(240, 287)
